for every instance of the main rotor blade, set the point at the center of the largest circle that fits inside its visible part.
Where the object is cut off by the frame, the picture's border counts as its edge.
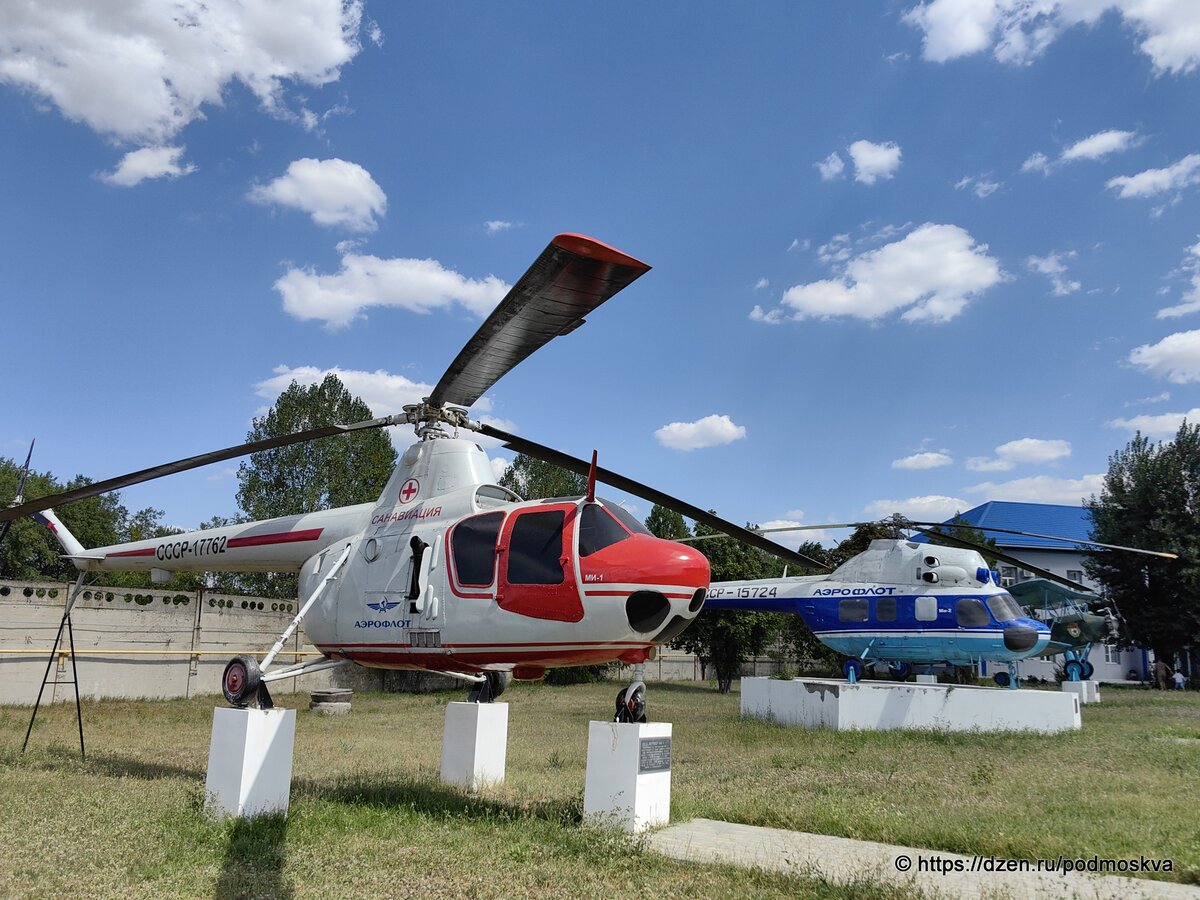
(574, 464)
(572, 276)
(182, 465)
(708, 537)
(999, 554)
(1053, 537)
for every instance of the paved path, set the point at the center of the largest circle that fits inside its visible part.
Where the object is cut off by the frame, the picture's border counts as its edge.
(844, 860)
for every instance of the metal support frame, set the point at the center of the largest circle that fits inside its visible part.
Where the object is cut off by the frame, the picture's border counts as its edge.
(64, 624)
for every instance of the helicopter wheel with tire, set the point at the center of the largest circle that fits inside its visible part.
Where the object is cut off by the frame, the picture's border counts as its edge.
(240, 681)
(1073, 669)
(899, 671)
(1088, 670)
(1002, 679)
(852, 669)
(631, 704)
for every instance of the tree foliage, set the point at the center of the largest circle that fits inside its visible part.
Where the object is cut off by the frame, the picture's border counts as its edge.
(1150, 499)
(725, 639)
(535, 479)
(964, 531)
(31, 552)
(325, 474)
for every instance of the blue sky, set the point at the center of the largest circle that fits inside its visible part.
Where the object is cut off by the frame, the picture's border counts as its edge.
(907, 256)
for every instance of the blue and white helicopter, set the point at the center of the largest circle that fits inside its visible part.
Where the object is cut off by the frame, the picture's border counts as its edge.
(906, 603)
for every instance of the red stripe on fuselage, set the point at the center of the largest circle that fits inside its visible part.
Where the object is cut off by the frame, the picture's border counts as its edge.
(149, 551)
(283, 537)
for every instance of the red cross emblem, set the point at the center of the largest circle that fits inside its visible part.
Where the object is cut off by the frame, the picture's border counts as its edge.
(409, 490)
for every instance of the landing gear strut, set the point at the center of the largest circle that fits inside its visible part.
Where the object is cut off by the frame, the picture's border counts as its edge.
(490, 688)
(631, 702)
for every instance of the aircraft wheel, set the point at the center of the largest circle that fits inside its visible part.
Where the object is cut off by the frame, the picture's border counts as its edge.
(1088, 670)
(241, 680)
(1002, 679)
(899, 671)
(632, 709)
(852, 669)
(1074, 670)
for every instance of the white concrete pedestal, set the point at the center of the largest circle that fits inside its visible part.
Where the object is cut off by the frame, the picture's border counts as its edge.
(250, 761)
(927, 679)
(628, 782)
(1086, 691)
(887, 706)
(475, 744)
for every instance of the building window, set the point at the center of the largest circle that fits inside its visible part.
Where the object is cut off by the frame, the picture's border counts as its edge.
(1075, 575)
(1111, 654)
(1008, 576)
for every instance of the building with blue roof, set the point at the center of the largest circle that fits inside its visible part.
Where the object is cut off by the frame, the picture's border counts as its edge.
(1060, 557)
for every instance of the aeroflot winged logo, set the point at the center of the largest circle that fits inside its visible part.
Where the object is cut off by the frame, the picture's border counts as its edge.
(384, 605)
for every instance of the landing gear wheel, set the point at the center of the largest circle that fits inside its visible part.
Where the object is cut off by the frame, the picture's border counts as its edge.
(1073, 669)
(241, 681)
(853, 670)
(631, 704)
(489, 690)
(1088, 670)
(1002, 679)
(899, 671)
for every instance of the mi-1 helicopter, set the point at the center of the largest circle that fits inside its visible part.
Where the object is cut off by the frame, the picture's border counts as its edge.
(906, 603)
(448, 571)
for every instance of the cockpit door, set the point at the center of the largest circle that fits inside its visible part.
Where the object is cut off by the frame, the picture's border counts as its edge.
(536, 574)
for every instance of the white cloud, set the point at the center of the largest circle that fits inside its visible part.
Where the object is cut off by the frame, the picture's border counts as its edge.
(495, 226)
(762, 284)
(1160, 426)
(1052, 266)
(1019, 31)
(1041, 489)
(1191, 297)
(830, 167)
(1151, 182)
(140, 72)
(710, 431)
(332, 191)
(934, 271)
(837, 250)
(499, 467)
(1038, 162)
(149, 162)
(774, 317)
(1100, 145)
(1176, 357)
(1024, 450)
(418, 285)
(979, 185)
(1157, 398)
(930, 508)
(928, 460)
(874, 161)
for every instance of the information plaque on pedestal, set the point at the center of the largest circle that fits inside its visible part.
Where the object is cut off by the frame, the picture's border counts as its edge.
(628, 782)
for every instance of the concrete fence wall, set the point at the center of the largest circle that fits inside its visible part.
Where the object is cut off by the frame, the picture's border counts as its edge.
(137, 642)
(150, 643)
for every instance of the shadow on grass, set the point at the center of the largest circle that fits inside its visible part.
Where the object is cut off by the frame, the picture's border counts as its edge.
(430, 797)
(254, 861)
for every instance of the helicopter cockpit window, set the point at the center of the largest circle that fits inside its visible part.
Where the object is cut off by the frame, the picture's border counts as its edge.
(969, 613)
(535, 548)
(853, 609)
(628, 519)
(885, 609)
(1004, 607)
(475, 548)
(597, 530)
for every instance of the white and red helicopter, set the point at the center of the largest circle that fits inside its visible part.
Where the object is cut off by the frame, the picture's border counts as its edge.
(448, 571)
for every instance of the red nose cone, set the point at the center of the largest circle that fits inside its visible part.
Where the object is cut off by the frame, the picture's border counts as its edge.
(647, 560)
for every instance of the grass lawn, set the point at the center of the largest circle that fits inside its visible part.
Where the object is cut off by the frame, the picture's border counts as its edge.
(369, 816)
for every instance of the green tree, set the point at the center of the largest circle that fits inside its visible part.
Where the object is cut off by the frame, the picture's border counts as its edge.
(535, 479)
(1150, 499)
(324, 474)
(666, 523)
(725, 639)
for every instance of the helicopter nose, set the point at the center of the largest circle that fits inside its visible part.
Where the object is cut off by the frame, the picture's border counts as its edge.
(1020, 638)
(675, 579)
